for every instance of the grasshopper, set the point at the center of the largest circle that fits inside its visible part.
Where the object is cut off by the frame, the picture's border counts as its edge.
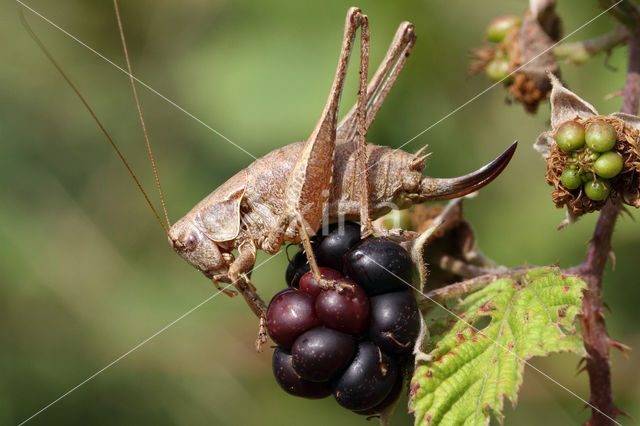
(333, 175)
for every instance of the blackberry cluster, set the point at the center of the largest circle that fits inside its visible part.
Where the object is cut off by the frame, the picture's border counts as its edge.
(354, 339)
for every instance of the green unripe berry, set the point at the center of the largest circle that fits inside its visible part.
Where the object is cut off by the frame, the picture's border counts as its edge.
(500, 26)
(571, 179)
(498, 69)
(600, 136)
(590, 155)
(586, 177)
(608, 165)
(597, 190)
(570, 136)
(572, 159)
(500, 54)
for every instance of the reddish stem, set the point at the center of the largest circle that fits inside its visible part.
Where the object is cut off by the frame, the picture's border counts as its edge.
(632, 85)
(594, 332)
(596, 340)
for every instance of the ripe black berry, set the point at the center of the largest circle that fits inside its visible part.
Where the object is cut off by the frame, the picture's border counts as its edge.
(309, 285)
(291, 382)
(345, 309)
(387, 401)
(291, 313)
(332, 248)
(367, 380)
(321, 352)
(395, 323)
(379, 266)
(297, 267)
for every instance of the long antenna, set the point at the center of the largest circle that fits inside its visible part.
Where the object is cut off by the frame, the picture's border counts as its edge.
(144, 127)
(93, 114)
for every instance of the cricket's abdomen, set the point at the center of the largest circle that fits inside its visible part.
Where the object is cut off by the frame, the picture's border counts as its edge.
(391, 176)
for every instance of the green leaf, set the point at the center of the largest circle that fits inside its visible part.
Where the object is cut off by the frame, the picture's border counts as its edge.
(467, 372)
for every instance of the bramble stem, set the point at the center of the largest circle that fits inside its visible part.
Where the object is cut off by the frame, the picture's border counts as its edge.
(596, 340)
(594, 333)
(624, 11)
(631, 90)
(580, 52)
(460, 289)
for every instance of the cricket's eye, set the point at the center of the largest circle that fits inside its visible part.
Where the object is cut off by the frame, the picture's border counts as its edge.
(190, 241)
(186, 242)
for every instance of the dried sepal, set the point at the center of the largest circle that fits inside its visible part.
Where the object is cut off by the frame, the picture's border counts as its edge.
(452, 254)
(433, 224)
(632, 121)
(535, 58)
(566, 105)
(543, 144)
(539, 8)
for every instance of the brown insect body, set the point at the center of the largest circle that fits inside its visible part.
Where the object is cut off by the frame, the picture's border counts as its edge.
(250, 204)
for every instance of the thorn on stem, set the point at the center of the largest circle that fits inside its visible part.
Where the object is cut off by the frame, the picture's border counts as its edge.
(612, 256)
(613, 95)
(619, 346)
(620, 412)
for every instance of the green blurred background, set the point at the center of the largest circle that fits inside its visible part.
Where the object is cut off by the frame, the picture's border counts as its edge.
(86, 273)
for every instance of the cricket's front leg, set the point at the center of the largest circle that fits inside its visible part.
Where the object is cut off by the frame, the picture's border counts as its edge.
(258, 307)
(238, 274)
(224, 290)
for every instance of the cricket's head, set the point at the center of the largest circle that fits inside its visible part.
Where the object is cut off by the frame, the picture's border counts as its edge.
(198, 249)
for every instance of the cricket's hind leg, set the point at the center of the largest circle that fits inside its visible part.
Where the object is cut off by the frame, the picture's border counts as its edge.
(308, 187)
(370, 98)
(313, 264)
(382, 81)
